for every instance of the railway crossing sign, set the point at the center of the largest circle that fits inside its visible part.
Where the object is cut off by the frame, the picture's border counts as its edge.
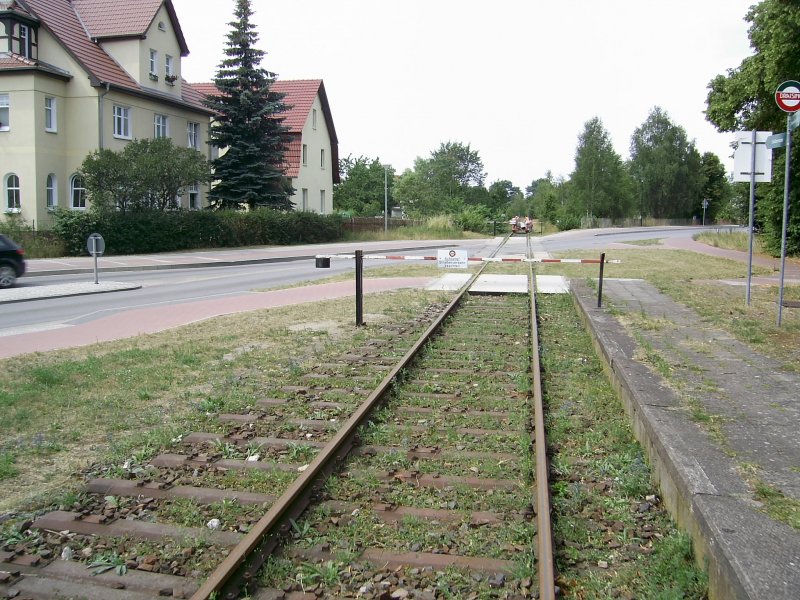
(788, 96)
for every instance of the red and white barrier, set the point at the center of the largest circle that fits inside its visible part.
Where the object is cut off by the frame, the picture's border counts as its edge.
(594, 261)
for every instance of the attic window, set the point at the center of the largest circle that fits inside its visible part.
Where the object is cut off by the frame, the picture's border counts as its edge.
(162, 26)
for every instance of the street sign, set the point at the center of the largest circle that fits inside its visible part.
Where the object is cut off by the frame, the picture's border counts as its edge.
(96, 245)
(777, 140)
(452, 259)
(705, 203)
(743, 157)
(788, 96)
(794, 121)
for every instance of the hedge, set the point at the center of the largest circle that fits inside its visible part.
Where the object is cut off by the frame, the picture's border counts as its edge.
(154, 231)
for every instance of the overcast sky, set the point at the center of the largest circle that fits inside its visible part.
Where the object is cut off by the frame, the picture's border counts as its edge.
(514, 79)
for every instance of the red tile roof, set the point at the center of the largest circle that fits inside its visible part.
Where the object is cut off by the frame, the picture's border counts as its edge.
(61, 19)
(299, 95)
(112, 18)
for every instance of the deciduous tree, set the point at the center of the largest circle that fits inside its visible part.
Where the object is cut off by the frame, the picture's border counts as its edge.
(744, 99)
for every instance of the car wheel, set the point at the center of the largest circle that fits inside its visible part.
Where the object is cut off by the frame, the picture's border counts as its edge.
(7, 276)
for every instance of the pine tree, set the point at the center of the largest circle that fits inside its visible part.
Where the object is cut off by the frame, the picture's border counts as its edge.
(247, 125)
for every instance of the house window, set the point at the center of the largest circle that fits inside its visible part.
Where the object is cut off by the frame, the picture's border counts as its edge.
(50, 122)
(305, 154)
(194, 196)
(77, 192)
(313, 118)
(322, 201)
(304, 206)
(52, 192)
(169, 70)
(13, 203)
(153, 63)
(122, 122)
(160, 126)
(5, 108)
(193, 135)
(25, 41)
(322, 158)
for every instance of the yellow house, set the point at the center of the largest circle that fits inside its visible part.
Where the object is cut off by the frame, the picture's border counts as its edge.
(81, 75)
(312, 149)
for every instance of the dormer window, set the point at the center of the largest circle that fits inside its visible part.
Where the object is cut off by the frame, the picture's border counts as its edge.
(18, 36)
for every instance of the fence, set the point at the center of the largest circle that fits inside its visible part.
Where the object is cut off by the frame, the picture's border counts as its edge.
(359, 224)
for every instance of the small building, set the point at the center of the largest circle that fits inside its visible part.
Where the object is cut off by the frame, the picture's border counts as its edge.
(82, 75)
(312, 154)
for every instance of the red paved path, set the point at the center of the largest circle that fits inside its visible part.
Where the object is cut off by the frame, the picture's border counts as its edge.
(152, 319)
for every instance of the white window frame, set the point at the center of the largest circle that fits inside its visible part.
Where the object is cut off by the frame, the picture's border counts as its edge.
(322, 201)
(153, 62)
(193, 135)
(160, 126)
(169, 65)
(194, 196)
(24, 40)
(322, 158)
(80, 190)
(50, 114)
(51, 191)
(304, 205)
(122, 121)
(305, 155)
(12, 193)
(5, 103)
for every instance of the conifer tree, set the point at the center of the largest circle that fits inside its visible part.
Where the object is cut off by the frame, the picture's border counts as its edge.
(248, 126)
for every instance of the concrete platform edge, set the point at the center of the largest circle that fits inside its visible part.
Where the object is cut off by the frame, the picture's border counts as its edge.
(697, 481)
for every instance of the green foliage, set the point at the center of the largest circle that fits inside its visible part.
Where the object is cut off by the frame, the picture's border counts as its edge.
(744, 99)
(36, 243)
(667, 166)
(716, 188)
(146, 175)
(601, 185)
(473, 218)
(443, 183)
(361, 191)
(155, 231)
(246, 123)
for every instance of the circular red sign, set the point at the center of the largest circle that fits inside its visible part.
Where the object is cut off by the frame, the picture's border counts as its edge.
(788, 96)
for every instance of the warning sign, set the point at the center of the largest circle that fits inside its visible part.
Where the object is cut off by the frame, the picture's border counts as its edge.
(452, 259)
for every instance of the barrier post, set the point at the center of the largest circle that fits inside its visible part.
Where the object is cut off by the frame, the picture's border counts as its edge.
(600, 281)
(359, 288)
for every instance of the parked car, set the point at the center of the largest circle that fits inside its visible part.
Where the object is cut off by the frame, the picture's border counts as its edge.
(12, 261)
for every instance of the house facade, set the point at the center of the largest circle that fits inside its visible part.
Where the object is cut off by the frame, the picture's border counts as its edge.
(312, 151)
(82, 75)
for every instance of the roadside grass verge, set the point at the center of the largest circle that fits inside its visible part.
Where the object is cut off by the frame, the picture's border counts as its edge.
(693, 279)
(64, 410)
(730, 240)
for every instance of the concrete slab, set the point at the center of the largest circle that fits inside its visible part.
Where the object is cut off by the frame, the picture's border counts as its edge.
(500, 284)
(552, 284)
(450, 282)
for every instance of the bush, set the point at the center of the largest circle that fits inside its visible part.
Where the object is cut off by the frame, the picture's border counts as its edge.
(155, 231)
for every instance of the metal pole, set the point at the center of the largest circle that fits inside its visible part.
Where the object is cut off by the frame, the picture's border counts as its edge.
(752, 211)
(359, 288)
(600, 281)
(385, 200)
(785, 213)
(94, 253)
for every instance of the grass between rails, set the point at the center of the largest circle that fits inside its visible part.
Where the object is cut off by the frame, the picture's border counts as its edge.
(616, 537)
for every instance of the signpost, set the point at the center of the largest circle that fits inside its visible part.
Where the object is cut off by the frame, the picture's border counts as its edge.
(787, 97)
(705, 206)
(96, 245)
(752, 162)
(452, 259)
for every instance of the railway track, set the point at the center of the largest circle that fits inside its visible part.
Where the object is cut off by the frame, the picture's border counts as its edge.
(412, 466)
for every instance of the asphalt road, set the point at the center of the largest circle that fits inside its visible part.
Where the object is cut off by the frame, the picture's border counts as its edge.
(173, 287)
